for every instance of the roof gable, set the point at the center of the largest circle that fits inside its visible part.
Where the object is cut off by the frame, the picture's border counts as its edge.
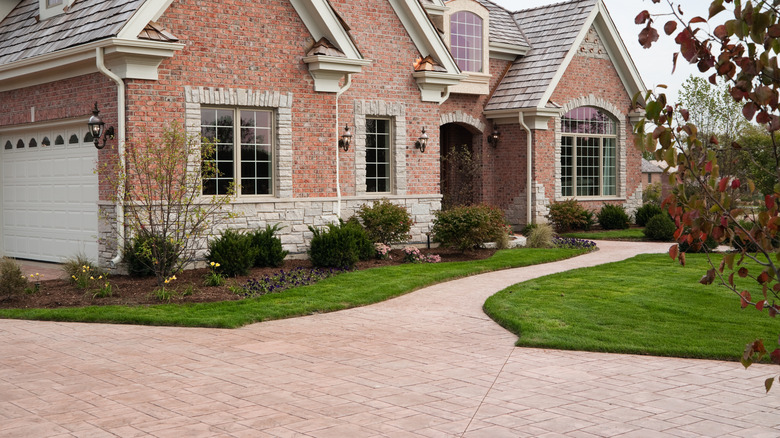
(555, 33)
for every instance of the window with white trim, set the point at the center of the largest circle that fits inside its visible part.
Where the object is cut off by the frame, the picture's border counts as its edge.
(378, 158)
(588, 153)
(466, 40)
(243, 150)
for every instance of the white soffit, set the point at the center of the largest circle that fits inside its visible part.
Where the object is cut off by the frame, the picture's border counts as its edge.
(321, 21)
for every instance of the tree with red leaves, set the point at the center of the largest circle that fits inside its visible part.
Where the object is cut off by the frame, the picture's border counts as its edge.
(742, 53)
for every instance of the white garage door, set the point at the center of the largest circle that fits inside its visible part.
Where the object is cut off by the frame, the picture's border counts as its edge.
(49, 194)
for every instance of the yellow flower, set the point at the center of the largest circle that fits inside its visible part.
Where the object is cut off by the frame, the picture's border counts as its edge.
(91, 277)
(73, 277)
(216, 265)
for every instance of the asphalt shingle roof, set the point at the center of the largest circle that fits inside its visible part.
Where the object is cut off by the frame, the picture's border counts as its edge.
(22, 36)
(551, 31)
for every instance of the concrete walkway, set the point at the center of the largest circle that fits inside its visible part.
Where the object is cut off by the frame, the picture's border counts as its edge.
(427, 364)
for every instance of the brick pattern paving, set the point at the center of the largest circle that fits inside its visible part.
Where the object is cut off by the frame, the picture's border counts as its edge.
(428, 364)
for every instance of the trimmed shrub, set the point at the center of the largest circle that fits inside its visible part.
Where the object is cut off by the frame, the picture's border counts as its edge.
(12, 281)
(660, 227)
(468, 227)
(613, 217)
(140, 255)
(269, 247)
(569, 215)
(340, 246)
(645, 212)
(234, 252)
(385, 222)
(74, 265)
(541, 237)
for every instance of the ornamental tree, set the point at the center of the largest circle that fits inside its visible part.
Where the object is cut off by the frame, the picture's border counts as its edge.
(742, 54)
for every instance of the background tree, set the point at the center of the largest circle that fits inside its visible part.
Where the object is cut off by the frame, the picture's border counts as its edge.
(742, 53)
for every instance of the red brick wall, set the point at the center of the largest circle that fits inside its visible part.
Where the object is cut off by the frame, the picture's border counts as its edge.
(598, 77)
(260, 46)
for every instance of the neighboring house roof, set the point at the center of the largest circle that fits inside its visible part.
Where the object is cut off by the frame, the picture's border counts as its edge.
(22, 36)
(551, 31)
(555, 33)
(503, 27)
(650, 167)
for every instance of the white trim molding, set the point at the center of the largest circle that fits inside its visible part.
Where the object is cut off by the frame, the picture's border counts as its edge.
(129, 59)
(328, 71)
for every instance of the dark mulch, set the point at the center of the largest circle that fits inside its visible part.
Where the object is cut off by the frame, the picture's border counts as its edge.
(134, 291)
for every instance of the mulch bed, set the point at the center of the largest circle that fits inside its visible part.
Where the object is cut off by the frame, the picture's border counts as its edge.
(132, 291)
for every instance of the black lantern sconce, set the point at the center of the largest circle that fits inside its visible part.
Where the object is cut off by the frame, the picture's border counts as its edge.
(422, 142)
(493, 137)
(345, 139)
(96, 125)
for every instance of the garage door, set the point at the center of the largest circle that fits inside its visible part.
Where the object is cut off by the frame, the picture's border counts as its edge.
(49, 194)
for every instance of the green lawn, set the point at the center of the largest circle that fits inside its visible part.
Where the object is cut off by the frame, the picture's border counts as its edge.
(335, 293)
(645, 305)
(629, 234)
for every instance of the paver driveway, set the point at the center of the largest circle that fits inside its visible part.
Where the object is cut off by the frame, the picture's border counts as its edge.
(426, 364)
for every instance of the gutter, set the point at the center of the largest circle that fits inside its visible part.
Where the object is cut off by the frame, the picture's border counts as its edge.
(345, 87)
(529, 169)
(120, 146)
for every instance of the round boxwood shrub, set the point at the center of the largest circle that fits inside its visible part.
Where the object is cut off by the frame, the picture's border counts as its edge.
(385, 222)
(234, 252)
(142, 255)
(468, 227)
(269, 247)
(613, 217)
(340, 246)
(660, 227)
(645, 212)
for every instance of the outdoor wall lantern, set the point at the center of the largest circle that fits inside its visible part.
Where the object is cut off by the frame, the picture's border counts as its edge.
(493, 137)
(96, 125)
(422, 141)
(345, 139)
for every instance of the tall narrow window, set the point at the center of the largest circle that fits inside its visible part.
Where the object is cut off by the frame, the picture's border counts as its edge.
(378, 155)
(245, 159)
(466, 40)
(588, 153)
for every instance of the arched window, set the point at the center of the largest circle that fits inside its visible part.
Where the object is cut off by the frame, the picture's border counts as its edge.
(74, 139)
(8, 144)
(88, 137)
(45, 141)
(33, 143)
(20, 144)
(588, 153)
(59, 140)
(466, 40)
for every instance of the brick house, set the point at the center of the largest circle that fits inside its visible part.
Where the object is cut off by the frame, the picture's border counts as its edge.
(540, 99)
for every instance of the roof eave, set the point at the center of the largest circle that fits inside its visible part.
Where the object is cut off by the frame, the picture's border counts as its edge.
(129, 59)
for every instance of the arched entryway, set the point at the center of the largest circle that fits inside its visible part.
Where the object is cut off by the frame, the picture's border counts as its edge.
(461, 165)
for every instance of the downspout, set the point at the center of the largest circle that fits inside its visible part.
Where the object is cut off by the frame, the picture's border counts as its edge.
(341, 91)
(529, 169)
(120, 147)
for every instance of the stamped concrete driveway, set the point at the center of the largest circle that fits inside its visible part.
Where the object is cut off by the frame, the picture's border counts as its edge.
(426, 364)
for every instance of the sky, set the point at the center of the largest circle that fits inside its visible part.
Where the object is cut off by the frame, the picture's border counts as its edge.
(654, 64)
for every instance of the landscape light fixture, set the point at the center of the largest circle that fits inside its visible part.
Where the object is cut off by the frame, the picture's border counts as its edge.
(345, 139)
(96, 125)
(422, 142)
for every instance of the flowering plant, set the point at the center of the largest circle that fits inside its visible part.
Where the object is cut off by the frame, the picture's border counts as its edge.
(214, 278)
(413, 255)
(382, 251)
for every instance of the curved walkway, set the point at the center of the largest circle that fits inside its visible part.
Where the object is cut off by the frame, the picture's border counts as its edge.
(427, 364)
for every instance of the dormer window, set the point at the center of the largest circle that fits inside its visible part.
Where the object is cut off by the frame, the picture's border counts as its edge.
(466, 40)
(51, 8)
(467, 30)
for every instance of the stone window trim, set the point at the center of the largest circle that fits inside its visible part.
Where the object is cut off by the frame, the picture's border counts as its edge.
(621, 120)
(280, 103)
(396, 112)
